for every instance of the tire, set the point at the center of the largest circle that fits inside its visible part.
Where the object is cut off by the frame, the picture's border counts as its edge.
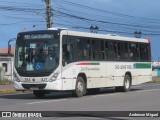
(126, 85)
(39, 93)
(80, 88)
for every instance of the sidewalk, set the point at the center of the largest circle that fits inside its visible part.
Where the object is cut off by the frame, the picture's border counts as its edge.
(7, 89)
(156, 79)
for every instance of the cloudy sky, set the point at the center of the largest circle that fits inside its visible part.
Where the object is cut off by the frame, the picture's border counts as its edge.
(121, 17)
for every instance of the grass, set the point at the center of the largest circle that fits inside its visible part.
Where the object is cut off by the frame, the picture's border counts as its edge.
(5, 82)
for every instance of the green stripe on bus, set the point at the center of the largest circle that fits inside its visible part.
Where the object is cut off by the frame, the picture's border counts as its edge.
(88, 63)
(94, 63)
(143, 65)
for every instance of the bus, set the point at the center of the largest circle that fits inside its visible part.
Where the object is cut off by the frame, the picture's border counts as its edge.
(80, 62)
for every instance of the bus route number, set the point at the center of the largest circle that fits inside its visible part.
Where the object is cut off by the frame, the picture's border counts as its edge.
(123, 66)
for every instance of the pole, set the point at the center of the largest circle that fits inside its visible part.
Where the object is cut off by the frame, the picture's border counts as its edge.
(49, 14)
(9, 46)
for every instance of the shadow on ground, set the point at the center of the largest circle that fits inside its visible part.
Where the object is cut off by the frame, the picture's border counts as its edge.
(60, 95)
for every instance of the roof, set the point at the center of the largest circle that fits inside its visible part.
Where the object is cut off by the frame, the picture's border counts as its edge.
(86, 34)
(4, 51)
(105, 36)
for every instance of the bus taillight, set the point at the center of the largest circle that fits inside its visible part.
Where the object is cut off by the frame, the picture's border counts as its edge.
(149, 41)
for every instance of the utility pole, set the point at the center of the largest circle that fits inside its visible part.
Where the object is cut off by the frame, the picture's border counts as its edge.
(49, 14)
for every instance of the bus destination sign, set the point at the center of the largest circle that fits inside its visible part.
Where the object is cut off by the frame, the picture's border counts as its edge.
(38, 36)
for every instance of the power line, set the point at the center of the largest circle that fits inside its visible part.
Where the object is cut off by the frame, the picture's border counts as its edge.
(105, 11)
(119, 23)
(125, 23)
(107, 22)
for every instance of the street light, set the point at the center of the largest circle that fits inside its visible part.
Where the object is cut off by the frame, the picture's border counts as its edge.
(137, 34)
(94, 29)
(91, 29)
(9, 46)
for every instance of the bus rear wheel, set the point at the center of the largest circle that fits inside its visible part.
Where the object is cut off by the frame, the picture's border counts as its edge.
(126, 84)
(80, 88)
(39, 93)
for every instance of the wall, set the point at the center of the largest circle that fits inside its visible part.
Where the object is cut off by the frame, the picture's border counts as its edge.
(6, 63)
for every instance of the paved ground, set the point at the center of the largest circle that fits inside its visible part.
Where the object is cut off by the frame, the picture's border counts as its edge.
(9, 89)
(144, 97)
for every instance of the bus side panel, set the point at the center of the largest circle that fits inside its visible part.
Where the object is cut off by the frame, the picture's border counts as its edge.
(95, 73)
(145, 76)
(140, 72)
(69, 75)
(115, 75)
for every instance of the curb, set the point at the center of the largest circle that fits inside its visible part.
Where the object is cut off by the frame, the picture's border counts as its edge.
(155, 81)
(9, 91)
(12, 91)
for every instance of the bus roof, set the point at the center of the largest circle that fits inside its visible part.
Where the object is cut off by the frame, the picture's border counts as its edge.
(92, 35)
(105, 36)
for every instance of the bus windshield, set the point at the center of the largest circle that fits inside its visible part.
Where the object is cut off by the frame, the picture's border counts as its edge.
(36, 54)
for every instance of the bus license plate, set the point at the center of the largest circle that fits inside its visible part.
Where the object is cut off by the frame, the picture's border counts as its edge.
(34, 88)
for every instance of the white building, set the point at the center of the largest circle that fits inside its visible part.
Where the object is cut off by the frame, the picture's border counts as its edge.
(6, 65)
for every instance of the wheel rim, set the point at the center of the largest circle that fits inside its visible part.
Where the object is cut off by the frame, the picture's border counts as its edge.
(127, 83)
(80, 87)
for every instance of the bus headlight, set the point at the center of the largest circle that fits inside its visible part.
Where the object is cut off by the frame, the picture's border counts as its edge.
(16, 78)
(54, 77)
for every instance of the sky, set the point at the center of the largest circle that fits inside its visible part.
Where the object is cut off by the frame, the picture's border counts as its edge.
(122, 17)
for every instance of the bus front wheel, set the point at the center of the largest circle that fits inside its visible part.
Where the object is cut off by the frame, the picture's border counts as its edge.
(80, 88)
(126, 84)
(39, 93)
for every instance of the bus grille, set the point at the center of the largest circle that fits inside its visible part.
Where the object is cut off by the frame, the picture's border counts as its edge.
(29, 86)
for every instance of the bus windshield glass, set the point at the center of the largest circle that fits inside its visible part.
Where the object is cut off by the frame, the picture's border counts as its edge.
(37, 53)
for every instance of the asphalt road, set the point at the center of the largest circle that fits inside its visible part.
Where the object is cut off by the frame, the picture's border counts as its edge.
(144, 97)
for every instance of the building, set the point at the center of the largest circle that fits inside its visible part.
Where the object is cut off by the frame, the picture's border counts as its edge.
(6, 64)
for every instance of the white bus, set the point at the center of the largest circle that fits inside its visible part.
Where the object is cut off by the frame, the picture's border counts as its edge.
(63, 60)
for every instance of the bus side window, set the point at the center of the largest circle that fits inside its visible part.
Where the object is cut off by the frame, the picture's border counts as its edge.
(98, 50)
(80, 54)
(93, 49)
(106, 49)
(118, 50)
(137, 52)
(111, 53)
(87, 50)
(124, 51)
(70, 51)
(132, 51)
(68, 54)
(144, 52)
(102, 50)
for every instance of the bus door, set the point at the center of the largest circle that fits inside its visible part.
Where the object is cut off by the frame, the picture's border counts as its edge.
(68, 57)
